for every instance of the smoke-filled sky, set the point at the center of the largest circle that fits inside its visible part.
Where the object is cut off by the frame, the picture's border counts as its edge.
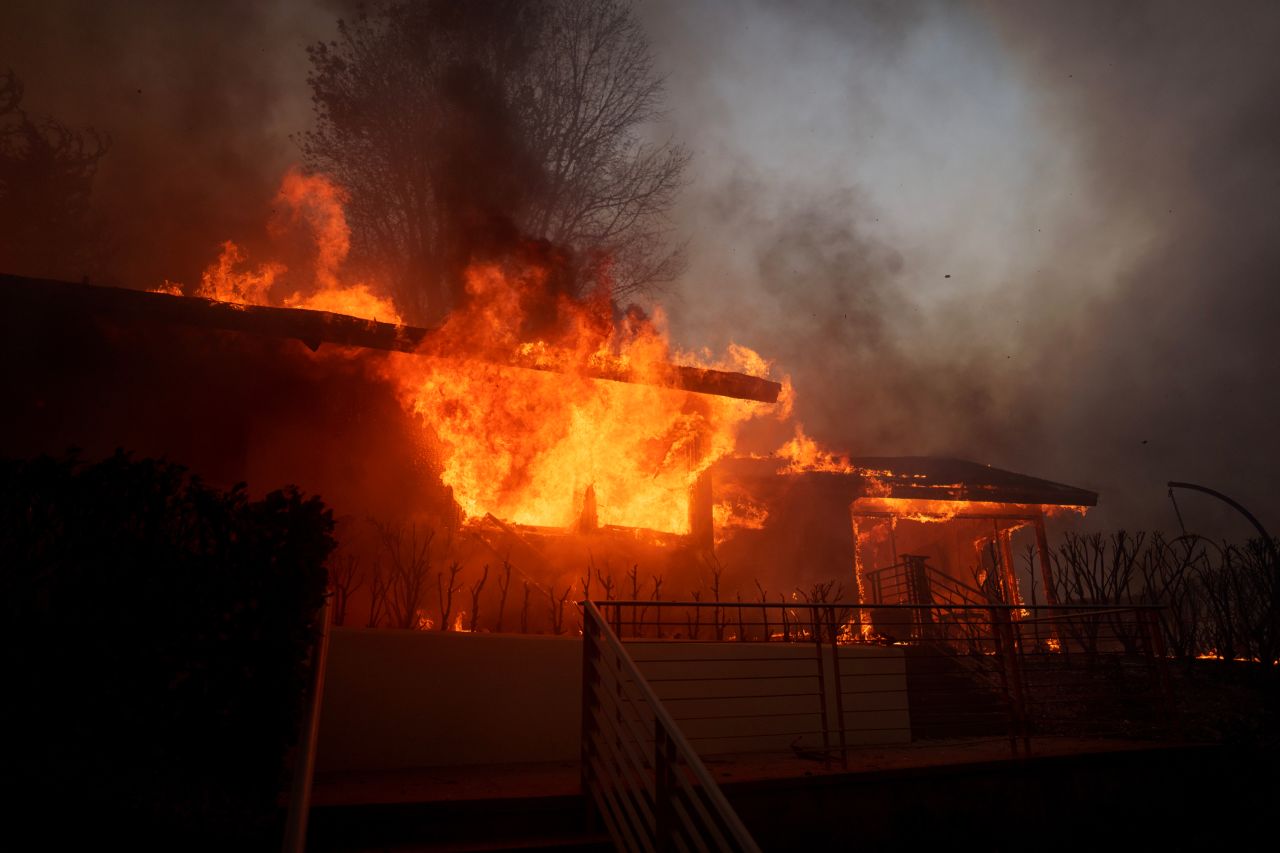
(1045, 236)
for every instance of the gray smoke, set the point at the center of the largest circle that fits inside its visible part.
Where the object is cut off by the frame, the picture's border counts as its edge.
(1038, 235)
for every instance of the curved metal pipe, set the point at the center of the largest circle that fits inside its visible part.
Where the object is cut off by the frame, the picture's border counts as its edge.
(1267, 541)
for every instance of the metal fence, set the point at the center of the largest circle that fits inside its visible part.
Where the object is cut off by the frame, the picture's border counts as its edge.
(814, 679)
(646, 781)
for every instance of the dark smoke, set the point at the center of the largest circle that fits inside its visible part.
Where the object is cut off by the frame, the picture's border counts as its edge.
(198, 100)
(1173, 375)
(1097, 302)
(1038, 235)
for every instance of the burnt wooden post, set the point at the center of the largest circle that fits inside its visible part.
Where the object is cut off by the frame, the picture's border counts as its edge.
(1042, 550)
(701, 519)
(919, 592)
(1010, 578)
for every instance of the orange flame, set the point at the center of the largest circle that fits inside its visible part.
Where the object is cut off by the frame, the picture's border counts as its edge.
(314, 202)
(918, 509)
(525, 445)
(802, 453)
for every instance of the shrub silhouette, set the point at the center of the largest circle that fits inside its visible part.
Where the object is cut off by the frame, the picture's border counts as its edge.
(159, 637)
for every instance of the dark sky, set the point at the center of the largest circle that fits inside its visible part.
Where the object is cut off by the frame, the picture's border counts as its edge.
(1045, 236)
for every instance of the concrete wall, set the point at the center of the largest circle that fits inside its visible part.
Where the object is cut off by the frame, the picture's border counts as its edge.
(732, 697)
(402, 699)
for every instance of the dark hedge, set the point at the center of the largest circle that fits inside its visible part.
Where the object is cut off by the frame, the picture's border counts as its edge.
(157, 639)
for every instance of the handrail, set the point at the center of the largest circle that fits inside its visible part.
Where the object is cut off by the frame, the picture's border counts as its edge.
(822, 605)
(957, 586)
(295, 836)
(670, 748)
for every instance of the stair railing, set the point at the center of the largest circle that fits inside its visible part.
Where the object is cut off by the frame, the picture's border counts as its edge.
(646, 782)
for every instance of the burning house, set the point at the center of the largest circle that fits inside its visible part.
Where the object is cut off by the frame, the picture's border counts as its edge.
(537, 449)
(623, 465)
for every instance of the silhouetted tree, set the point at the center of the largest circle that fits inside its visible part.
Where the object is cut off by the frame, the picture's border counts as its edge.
(46, 175)
(457, 128)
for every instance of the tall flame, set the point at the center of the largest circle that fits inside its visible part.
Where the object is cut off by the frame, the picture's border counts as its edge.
(313, 202)
(525, 445)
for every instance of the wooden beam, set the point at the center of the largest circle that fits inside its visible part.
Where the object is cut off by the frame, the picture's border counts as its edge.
(315, 328)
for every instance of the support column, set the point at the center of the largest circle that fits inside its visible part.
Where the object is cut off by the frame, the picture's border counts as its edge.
(1046, 570)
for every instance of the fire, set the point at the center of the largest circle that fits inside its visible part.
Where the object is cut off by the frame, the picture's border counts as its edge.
(526, 445)
(314, 203)
(736, 509)
(802, 453)
(917, 509)
(530, 446)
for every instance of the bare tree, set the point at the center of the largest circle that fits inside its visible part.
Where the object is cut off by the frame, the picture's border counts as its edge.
(504, 584)
(344, 581)
(444, 593)
(379, 593)
(476, 589)
(410, 559)
(556, 607)
(448, 122)
(46, 175)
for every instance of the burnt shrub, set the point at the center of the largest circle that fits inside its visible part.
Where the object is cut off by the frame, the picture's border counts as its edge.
(158, 634)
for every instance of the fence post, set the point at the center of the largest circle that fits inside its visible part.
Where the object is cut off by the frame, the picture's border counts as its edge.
(664, 788)
(590, 653)
(839, 690)
(1158, 655)
(920, 592)
(1011, 677)
(815, 627)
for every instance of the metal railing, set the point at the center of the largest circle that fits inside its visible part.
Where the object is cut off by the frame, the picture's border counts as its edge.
(842, 674)
(304, 768)
(912, 581)
(647, 783)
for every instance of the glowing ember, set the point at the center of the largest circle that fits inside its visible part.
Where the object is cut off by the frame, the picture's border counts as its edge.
(915, 509)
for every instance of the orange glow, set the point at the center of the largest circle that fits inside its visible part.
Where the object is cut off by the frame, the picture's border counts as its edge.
(802, 453)
(170, 288)
(740, 513)
(525, 445)
(224, 281)
(736, 509)
(314, 203)
(916, 509)
(508, 411)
